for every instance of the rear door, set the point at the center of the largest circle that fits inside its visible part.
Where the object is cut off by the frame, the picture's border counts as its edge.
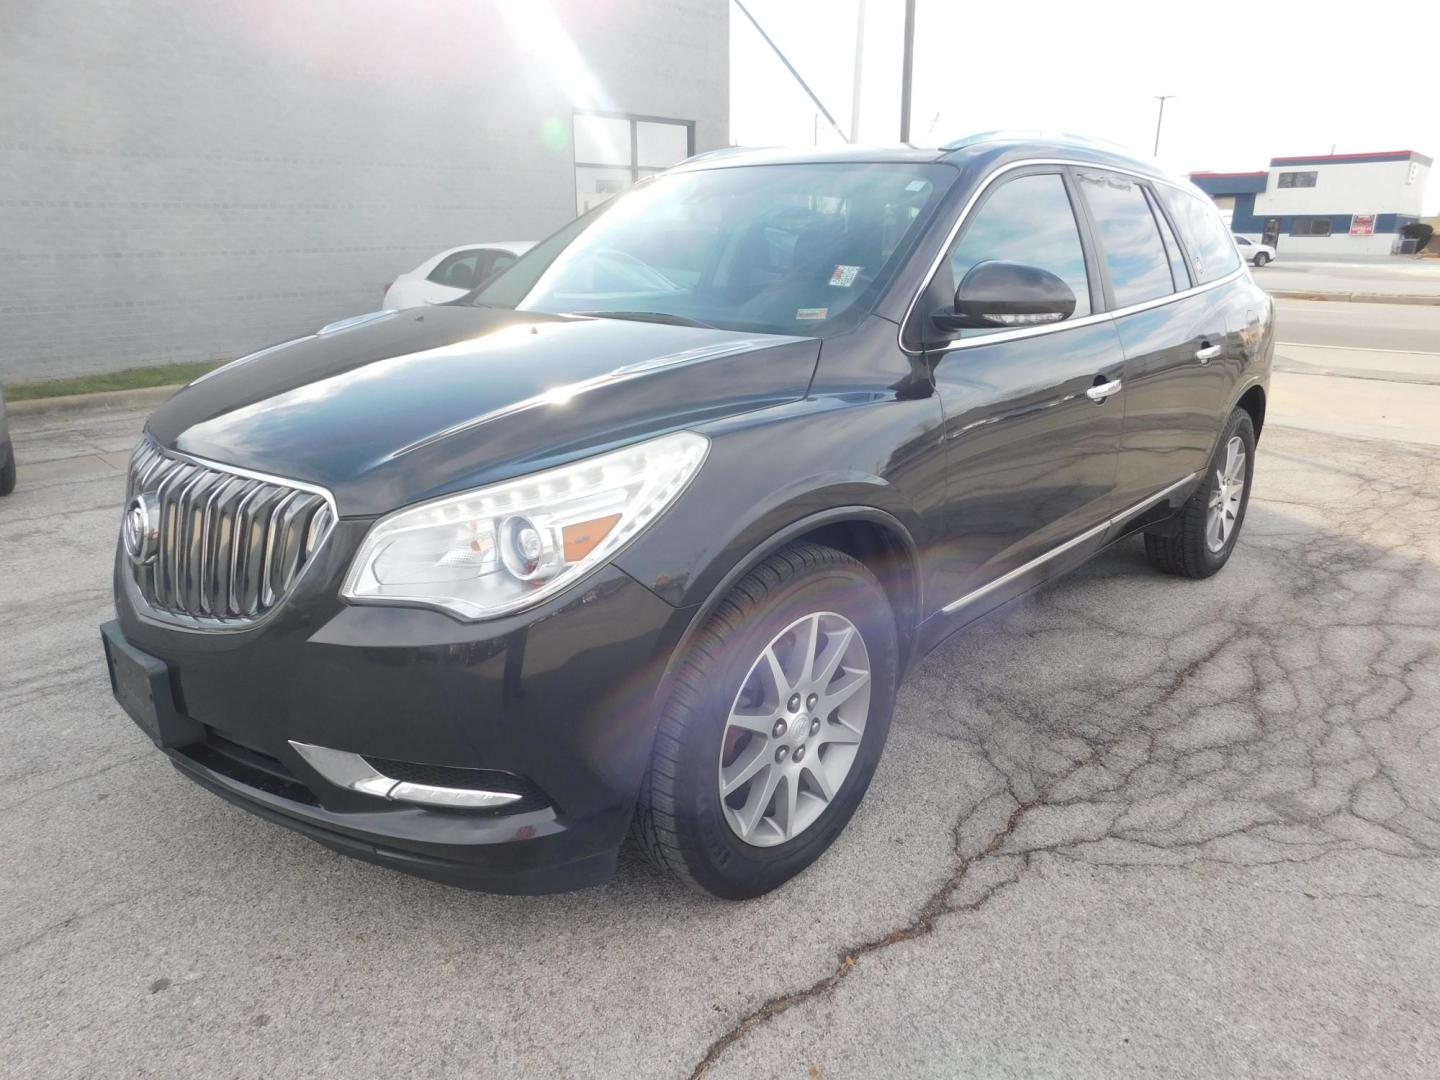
(1172, 325)
(1031, 457)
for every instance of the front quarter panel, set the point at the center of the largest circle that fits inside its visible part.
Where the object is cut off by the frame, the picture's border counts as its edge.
(771, 468)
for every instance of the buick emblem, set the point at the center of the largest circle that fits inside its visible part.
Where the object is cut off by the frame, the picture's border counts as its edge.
(140, 529)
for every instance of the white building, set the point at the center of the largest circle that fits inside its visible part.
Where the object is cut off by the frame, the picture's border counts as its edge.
(1333, 204)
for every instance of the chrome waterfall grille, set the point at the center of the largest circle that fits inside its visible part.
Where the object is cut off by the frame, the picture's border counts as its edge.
(230, 544)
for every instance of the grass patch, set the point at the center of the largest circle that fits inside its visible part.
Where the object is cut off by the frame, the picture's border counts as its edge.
(129, 379)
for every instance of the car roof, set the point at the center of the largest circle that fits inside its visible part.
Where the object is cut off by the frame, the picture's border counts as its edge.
(514, 247)
(986, 148)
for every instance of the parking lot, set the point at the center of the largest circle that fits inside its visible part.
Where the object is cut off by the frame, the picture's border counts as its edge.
(1132, 825)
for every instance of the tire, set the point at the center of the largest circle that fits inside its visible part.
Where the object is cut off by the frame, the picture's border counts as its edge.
(681, 822)
(7, 471)
(1190, 548)
(1261, 258)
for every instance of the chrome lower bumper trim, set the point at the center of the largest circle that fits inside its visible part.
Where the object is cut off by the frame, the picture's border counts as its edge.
(352, 771)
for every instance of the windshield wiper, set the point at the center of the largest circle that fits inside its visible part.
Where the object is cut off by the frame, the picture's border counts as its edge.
(649, 316)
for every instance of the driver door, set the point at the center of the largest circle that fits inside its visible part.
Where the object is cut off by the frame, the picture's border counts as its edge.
(1031, 456)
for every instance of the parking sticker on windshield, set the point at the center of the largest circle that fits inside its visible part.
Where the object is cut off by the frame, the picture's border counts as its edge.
(844, 276)
(813, 313)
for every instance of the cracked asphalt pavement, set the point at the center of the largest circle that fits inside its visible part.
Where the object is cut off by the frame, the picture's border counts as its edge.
(1129, 826)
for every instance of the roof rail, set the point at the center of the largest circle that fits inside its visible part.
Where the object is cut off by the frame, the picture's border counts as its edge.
(1037, 135)
(724, 151)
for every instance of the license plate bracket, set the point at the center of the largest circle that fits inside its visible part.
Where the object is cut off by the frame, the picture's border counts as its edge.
(141, 684)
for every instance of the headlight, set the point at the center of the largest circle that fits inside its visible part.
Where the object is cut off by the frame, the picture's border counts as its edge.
(502, 548)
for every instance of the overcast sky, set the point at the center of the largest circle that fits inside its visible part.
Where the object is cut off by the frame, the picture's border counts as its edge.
(1253, 80)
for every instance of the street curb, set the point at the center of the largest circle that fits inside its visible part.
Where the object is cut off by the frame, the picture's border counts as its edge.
(105, 399)
(1355, 297)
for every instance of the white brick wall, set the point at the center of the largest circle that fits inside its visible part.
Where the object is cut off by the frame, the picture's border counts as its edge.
(193, 179)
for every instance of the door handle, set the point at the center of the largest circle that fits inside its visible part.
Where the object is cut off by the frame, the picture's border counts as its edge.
(1207, 352)
(1099, 393)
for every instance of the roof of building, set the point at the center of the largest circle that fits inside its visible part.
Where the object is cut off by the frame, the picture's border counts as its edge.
(1225, 184)
(1352, 159)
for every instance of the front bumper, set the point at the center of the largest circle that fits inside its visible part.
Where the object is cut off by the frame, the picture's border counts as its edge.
(557, 702)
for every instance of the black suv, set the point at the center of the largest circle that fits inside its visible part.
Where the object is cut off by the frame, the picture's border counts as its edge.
(641, 536)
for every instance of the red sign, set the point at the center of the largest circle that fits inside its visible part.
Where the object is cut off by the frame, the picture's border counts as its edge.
(1362, 225)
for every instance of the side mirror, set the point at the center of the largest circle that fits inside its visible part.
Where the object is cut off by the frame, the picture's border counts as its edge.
(1005, 294)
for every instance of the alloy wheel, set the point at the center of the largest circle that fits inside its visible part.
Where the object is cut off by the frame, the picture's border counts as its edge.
(1226, 496)
(794, 729)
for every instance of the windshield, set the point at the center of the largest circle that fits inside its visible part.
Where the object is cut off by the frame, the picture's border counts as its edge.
(793, 249)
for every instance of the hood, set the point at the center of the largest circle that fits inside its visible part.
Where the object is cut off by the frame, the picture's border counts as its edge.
(396, 407)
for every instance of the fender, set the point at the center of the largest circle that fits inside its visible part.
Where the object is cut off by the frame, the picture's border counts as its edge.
(1243, 387)
(893, 526)
(759, 477)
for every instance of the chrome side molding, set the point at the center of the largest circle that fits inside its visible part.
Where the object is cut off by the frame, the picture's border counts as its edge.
(1088, 534)
(352, 771)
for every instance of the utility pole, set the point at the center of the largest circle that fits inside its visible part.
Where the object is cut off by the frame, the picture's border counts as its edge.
(859, 67)
(1162, 98)
(907, 70)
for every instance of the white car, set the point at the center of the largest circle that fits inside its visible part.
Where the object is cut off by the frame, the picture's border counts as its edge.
(452, 274)
(1254, 252)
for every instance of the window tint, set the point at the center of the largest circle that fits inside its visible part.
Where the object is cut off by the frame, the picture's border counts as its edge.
(794, 249)
(1207, 241)
(1028, 220)
(1129, 240)
(1297, 179)
(463, 270)
(1311, 227)
(1178, 270)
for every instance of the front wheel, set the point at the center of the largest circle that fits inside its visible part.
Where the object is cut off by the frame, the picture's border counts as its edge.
(775, 723)
(1261, 258)
(1204, 534)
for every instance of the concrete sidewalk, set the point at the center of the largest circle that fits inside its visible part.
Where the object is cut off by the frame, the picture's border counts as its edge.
(147, 397)
(1367, 407)
(1339, 279)
(1353, 297)
(1387, 365)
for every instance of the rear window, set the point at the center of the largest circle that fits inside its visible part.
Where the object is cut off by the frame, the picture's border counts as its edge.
(1212, 253)
(1178, 270)
(463, 270)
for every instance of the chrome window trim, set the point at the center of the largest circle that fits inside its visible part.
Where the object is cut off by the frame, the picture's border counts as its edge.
(147, 613)
(1009, 576)
(1036, 331)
